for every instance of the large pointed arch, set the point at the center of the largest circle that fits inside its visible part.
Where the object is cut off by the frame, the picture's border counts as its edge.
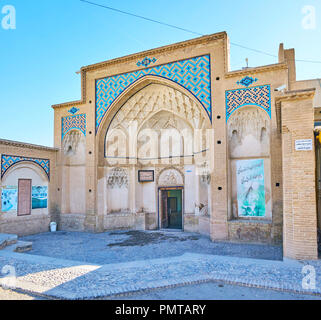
(138, 86)
(177, 92)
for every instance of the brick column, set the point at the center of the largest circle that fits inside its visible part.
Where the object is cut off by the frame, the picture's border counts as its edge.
(299, 198)
(92, 222)
(218, 159)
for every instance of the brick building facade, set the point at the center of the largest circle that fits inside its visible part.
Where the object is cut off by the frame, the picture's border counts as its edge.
(172, 138)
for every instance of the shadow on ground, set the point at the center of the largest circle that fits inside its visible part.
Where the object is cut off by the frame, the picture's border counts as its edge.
(138, 238)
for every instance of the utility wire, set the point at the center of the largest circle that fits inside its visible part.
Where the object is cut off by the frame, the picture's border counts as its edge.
(141, 17)
(186, 30)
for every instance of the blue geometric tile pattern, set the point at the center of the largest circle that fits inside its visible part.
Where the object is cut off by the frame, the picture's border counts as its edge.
(247, 81)
(146, 62)
(73, 110)
(73, 122)
(258, 96)
(8, 161)
(192, 74)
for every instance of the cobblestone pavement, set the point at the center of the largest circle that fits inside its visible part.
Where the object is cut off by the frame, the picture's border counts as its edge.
(144, 267)
(216, 291)
(123, 246)
(12, 295)
(205, 291)
(68, 265)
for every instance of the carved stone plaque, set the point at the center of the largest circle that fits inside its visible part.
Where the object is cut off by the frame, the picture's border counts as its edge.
(24, 197)
(146, 175)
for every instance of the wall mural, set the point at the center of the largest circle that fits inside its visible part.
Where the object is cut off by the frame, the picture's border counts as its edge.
(250, 188)
(39, 196)
(192, 74)
(9, 199)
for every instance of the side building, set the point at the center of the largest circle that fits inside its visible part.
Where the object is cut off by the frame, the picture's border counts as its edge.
(28, 187)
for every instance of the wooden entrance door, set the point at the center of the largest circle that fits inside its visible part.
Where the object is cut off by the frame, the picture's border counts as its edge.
(164, 215)
(171, 210)
(24, 197)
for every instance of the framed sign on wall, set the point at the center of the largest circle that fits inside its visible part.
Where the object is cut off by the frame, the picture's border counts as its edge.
(145, 175)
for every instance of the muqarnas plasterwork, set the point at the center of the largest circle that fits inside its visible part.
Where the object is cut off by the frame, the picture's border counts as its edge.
(192, 74)
(77, 122)
(257, 96)
(7, 161)
(247, 81)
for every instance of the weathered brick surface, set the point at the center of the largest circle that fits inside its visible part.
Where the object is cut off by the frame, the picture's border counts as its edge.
(250, 231)
(299, 201)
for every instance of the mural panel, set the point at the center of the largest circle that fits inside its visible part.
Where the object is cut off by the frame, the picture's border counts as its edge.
(39, 197)
(9, 199)
(250, 188)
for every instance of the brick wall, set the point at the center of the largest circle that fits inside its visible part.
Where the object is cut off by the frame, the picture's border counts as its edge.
(299, 200)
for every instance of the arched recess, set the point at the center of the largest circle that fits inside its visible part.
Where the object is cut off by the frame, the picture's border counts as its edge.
(181, 97)
(155, 103)
(74, 147)
(73, 171)
(249, 150)
(27, 166)
(39, 183)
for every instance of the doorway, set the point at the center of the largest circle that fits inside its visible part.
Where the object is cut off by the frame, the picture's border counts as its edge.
(171, 213)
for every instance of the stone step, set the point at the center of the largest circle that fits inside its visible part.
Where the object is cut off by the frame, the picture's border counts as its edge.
(21, 246)
(7, 240)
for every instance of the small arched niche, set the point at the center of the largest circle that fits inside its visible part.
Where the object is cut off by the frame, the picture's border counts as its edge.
(74, 148)
(74, 173)
(170, 177)
(117, 190)
(249, 133)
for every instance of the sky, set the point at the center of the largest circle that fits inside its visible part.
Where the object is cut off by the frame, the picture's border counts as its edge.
(54, 38)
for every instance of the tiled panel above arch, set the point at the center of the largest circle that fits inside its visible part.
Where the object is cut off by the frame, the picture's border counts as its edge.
(7, 161)
(256, 96)
(76, 122)
(192, 74)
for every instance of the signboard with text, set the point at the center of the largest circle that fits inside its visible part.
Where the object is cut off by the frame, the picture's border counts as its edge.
(303, 145)
(146, 175)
